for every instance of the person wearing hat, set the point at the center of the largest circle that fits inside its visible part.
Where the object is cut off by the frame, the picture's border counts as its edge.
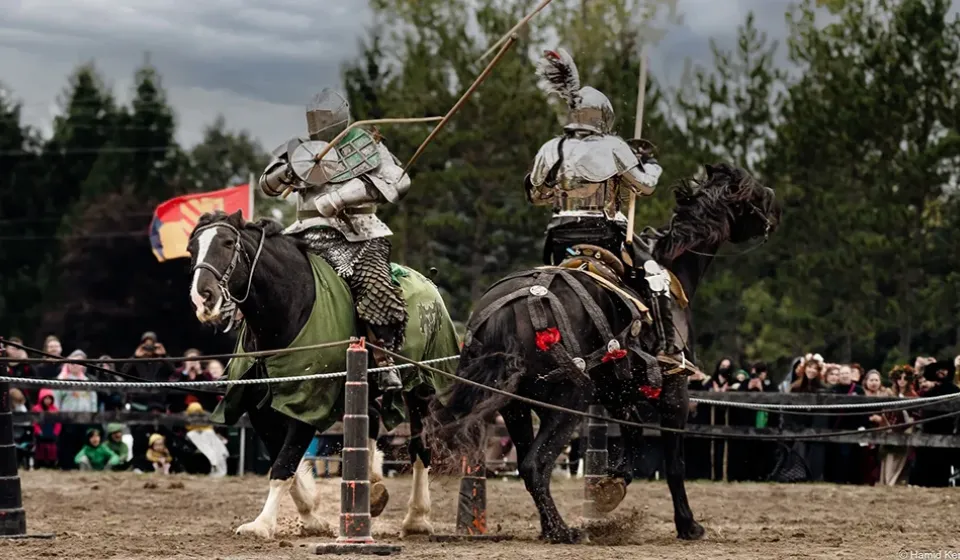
(94, 455)
(116, 444)
(932, 463)
(149, 347)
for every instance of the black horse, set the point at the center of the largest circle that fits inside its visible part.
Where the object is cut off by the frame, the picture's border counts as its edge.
(289, 299)
(500, 350)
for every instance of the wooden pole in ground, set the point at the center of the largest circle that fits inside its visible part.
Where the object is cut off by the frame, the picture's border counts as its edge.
(594, 462)
(472, 504)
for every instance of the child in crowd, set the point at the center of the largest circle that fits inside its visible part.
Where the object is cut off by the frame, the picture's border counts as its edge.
(157, 454)
(116, 444)
(46, 434)
(95, 456)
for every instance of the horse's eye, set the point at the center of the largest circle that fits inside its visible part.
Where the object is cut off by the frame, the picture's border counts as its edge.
(229, 242)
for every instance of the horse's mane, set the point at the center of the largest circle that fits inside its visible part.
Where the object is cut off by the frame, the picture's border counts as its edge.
(270, 227)
(704, 210)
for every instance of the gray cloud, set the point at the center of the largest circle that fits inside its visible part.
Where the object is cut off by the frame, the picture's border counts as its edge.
(255, 61)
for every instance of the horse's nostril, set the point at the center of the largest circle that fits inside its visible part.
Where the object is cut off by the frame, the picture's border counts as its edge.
(206, 294)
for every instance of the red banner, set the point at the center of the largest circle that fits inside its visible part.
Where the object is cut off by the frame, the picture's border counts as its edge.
(174, 220)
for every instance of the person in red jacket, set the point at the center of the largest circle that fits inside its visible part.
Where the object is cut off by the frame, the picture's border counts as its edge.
(46, 434)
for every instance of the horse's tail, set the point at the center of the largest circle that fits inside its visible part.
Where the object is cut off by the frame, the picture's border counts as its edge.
(493, 358)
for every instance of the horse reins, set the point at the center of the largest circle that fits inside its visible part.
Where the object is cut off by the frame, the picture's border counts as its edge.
(223, 278)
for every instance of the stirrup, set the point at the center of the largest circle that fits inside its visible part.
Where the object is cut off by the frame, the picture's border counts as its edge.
(679, 363)
(389, 379)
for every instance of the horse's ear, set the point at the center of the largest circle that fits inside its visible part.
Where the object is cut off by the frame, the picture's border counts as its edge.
(270, 227)
(237, 218)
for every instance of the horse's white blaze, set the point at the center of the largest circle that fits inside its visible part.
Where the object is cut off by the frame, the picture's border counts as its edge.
(265, 525)
(203, 247)
(418, 508)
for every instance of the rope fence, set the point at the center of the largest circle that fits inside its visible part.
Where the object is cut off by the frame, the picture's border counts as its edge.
(874, 404)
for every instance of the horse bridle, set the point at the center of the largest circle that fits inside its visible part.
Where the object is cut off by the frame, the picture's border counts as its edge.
(229, 308)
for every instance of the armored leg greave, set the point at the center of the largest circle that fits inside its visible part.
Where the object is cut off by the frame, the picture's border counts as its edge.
(365, 267)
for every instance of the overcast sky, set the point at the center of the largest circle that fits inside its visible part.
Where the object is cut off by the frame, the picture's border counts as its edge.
(255, 61)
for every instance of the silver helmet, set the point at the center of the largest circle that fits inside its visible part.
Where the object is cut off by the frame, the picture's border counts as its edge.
(593, 113)
(327, 115)
(589, 109)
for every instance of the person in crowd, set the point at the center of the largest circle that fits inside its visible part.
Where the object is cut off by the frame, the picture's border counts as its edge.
(856, 372)
(53, 350)
(119, 447)
(831, 376)
(95, 456)
(873, 385)
(761, 372)
(722, 375)
(150, 347)
(46, 434)
(846, 384)
(70, 399)
(894, 460)
(73, 399)
(191, 370)
(933, 464)
(794, 375)
(208, 444)
(22, 435)
(106, 371)
(811, 381)
(214, 369)
(844, 460)
(158, 457)
(20, 369)
(739, 380)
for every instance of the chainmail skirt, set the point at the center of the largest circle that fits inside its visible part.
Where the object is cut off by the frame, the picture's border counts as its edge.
(365, 267)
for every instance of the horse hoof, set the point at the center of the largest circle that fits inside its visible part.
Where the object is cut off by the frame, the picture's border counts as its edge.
(609, 493)
(693, 532)
(312, 526)
(566, 535)
(412, 527)
(378, 498)
(257, 529)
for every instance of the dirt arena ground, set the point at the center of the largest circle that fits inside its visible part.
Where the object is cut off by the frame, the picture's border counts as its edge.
(137, 516)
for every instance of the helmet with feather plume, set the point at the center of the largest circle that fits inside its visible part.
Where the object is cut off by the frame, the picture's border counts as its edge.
(589, 109)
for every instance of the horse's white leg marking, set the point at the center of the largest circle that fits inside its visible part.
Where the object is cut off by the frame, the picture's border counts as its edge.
(203, 246)
(418, 508)
(375, 461)
(265, 525)
(304, 494)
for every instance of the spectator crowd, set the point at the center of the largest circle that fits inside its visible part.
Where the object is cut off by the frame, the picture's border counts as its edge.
(201, 448)
(197, 449)
(849, 463)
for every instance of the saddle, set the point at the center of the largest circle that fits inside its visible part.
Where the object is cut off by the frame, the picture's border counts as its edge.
(597, 260)
(605, 264)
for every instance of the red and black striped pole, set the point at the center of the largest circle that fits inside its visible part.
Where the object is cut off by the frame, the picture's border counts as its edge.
(355, 532)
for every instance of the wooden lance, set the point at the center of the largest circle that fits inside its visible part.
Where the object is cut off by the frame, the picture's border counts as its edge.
(637, 131)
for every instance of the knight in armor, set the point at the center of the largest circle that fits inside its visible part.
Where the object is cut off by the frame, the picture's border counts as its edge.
(336, 214)
(583, 173)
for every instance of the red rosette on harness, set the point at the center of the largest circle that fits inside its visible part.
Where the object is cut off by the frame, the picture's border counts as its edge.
(652, 393)
(547, 338)
(614, 352)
